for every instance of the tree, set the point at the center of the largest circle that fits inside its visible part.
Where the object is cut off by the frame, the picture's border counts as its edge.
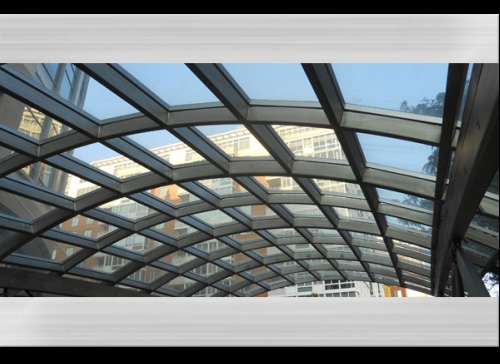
(435, 107)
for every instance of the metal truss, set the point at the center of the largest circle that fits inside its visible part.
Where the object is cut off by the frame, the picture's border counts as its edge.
(474, 142)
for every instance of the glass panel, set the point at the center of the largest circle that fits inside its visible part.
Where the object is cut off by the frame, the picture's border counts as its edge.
(82, 226)
(282, 233)
(248, 290)
(304, 210)
(72, 276)
(128, 208)
(103, 262)
(301, 247)
(211, 246)
(104, 104)
(256, 211)
(223, 186)
(415, 275)
(352, 214)
(288, 264)
(284, 81)
(178, 258)
(406, 199)
(303, 276)
(214, 217)
(115, 164)
(63, 79)
(337, 248)
(411, 247)
(77, 186)
(479, 249)
(343, 188)
(256, 272)
(413, 261)
(486, 223)
(493, 188)
(172, 82)
(400, 154)
(399, 222)
(17, 206)
(147, 274)
(278, 183)
(48, 250)
(232, 280)
(316, 262)
(349, 264)
(275, 281)
(234, 140)
(207, 270)
(30, 121)
(392, 280)
(328, 232)
(236, 259)
(384, 268)
(416, 88)
(173, 194)
(158, 141)
(207, 292)
(137, 243)
(305, 141)
(175, 228)
(356, 275)
(267, 252)
(466, 91)
(376, 252)
(328, 274)
(179, 284)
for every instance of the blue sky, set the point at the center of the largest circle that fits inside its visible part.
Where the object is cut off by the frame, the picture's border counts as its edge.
(376, 85)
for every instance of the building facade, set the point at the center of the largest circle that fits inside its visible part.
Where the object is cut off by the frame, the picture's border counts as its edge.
(303, 141)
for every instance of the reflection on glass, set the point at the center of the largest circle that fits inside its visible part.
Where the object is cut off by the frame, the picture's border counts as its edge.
(400, 154)
(376, 252)
(399, 222)
(173, 194)
(257, 211)
(272, 81)
(297, 248)
(137, 243)
(214, 217)
(178, 258)
(172, 82)
(211, 246)
(328, 232)
(175, 228)
(223, 186)
(103, 262)
(406, 199)
(416, 88)
(278, 183)
(352, 214)
(306, 141)
(349, 264)
(21, 207)
(343, 188)
(234, 140)
(413, 261)
(87, 227)
(304, 210)
(383, 268)
(285, 232)
(411, 247)
(338, 248)
(48, 250)
(147, 274)
(179, 284)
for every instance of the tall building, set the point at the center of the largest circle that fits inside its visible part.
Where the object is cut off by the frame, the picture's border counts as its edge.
(70, 83)
(303, 141)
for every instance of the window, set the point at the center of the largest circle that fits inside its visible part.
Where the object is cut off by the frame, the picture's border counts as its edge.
(305, 289)
(74, 221)
(54, 254)
(89, 221)
(69, 251)
(88, 233)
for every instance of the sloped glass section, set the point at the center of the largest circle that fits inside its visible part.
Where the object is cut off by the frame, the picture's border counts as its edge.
(235, 140)
(223, 186)
(340, 188)
(211, 246)
(278, 183)
(178, 258)
(214, 218)
(283, 81)
(47, 249)
(147, 274)
(207, 292)
(87, 227)
(399, 154)
(173, 194)
(406, 199)
(175, 228)
(103, 262)
(179, 284)
(174, 83)
(257, 211)
(410, 87)
(304, 210)
(138, 243)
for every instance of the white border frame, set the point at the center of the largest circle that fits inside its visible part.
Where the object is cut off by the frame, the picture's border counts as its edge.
(239, 321)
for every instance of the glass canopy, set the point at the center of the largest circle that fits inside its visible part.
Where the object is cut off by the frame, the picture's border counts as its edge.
(237, 179)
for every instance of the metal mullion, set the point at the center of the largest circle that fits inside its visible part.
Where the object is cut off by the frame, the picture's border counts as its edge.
(202, 192)
(30, 92)
(127, 270)
(14, 162)
(475, 164)
(158, 283)
(18, 142)
(36, 193)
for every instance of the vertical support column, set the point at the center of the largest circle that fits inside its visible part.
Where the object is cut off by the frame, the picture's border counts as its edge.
(471, 278)
(457, 284)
